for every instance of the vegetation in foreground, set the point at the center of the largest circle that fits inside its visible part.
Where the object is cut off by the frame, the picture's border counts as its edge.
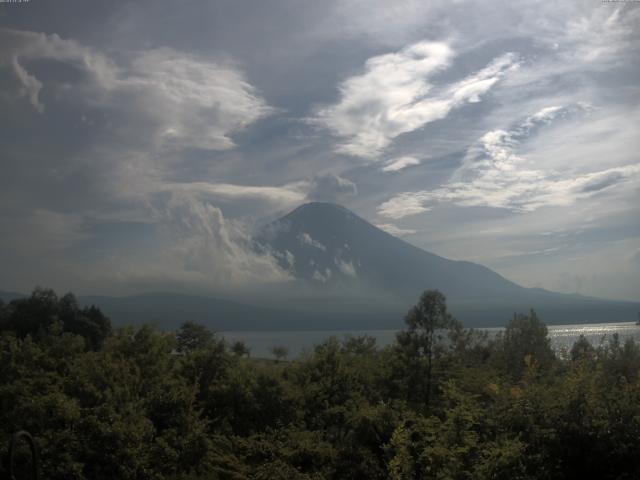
(443, 402)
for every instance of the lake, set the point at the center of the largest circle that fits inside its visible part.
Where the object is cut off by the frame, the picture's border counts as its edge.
(562, 337)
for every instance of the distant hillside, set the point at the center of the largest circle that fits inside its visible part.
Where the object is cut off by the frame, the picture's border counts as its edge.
(324, 311)
(8, 296)
(169, 310)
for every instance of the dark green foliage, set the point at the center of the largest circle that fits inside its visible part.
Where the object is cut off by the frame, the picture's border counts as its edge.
(193, 336)
(44, 313)
(526, 346)
(582, 350)
(442, 403)
(430, 332)
(240, 349)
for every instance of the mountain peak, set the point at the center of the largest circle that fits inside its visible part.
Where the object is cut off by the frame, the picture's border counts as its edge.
(320, 207)
(321, 215)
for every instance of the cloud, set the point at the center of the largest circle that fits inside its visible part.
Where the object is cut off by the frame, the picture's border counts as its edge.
(19, 46)
(306, 239)
(346, 268)
(394, 96)
(187, 245)
(395, 230)
(215, 251)
(400, 163)
(116, 132)
(100, 134)
(330, 187)
(494, 175)
(278, 197)
(186, 101)
(140, 115)
(199, 103)
(322, 277)
(404, 205)
(31, 86)
(474, 86)
(599, 37)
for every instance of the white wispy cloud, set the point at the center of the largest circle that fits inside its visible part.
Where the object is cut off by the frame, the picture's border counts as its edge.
(395, 230)
(346, 267)
(394, 96)
(280, 197)
(20, 46)
(493, 174)
(404, 205)
(400, 163)
(201, 103)
(187, 101)
(599, 37)
(306, 239)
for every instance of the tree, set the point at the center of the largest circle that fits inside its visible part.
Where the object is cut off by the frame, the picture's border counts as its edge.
(88, 322)
(240, 349)
(44, 314)
(280, 352)
(193, 336)
(428, 322)
(34, 315)
(526, 344)
(582, 350)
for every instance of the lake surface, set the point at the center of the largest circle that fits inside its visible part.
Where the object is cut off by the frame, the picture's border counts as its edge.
(562, 337)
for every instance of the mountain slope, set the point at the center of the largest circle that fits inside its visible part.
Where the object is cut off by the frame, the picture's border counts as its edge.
(333, 249)
(326, 243)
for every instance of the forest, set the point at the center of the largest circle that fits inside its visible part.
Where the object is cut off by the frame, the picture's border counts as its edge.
(442, 402)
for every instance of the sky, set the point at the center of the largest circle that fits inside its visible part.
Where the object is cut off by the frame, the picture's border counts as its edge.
(142, 143)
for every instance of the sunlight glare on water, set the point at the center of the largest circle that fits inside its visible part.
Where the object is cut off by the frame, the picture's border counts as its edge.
(562, 337)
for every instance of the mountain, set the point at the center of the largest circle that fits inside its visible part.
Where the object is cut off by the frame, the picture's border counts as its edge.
(350, 275)
(331, 249)
(329, 244)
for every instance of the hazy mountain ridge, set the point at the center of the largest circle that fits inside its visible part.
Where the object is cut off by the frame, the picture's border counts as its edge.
(8, 296)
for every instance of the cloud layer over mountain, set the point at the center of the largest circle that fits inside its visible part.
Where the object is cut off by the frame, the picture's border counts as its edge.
(143, 142)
